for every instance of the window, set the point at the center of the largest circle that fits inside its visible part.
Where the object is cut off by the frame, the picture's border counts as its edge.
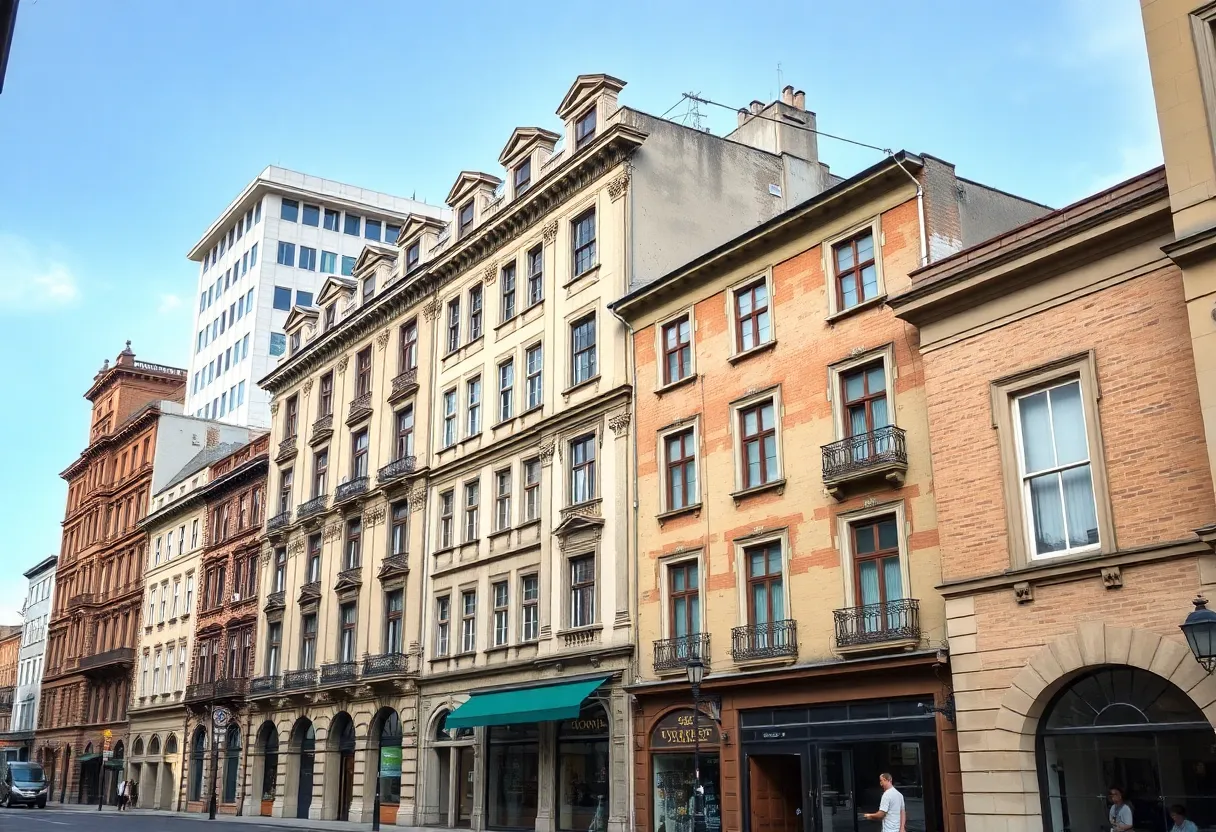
(449, 418)
(856, 270)
(253, 261)
(391, 232)
(354, 543)
(359, 445)
(155, 673)
(508, 291)
(285, 490)
(295, 342)
(582, 346)
(447, 502)
(502, 499)
(177, 591)
(363, 371)
(399, 529)
(351, 226)
(348, 265)
(472, 500)
(194, 534)
(308, 260)
(412, 255)
(287, 254)
(584, 129)
(405, 433)
(683, 602)
(280, 569)
(314, 558)
(274, 645)
(680, 456)
(156, 555)
(506, 390)
(864, 399)
(282, 298)
(877, 575)
(453, 324)
(320, 473)
(240, 393)
(584, 242)
(473, 389)
(312, 215)
(325, 397)
(582, 469)
(765, 585)
(331, 316)
(443, 624)
(582, 591)
(677, 350)
(758, 441)
(502, 596)
(394, 610)
(308, 642)
(475, 295)
(329, 262)
(369, 288)
(523, 176)
(465, 223)
(407, 358)
(143, 676)
(371, 230)
(531, 489)
(291, 418)
(530, 610)
(536, 275)
(331, 219)
(346, 638)
(468, 621)
(752, 325)
(289, 210)
(535, 361)
(257, 212)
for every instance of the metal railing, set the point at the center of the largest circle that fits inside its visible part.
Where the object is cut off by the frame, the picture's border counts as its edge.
(773, 639)
(263, 684)
(350, 577)
(286, 448)
(119, 655)
(200, 692)
(299, 679)
(280, 520)
(324, 424)
(878, 623)
(339, 672)
(159, 368)
(864, 452)
(231, 688)
(350, 488)
(394, 564)
(397, 468)
(314, 506)
(403, 383)
(385, 664)
(673, 653)
(360, 406)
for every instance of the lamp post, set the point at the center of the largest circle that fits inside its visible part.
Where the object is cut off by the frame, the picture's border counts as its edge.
(696, 673)
(1200, 631)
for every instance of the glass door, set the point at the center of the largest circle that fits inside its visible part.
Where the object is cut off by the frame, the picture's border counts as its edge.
(836, 797)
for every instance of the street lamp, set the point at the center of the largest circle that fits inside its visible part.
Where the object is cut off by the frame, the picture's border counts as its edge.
(696, 673)
(1200, 631)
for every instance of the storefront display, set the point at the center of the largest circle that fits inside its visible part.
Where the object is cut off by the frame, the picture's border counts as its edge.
(582, 771)
(512, 783)
(672, 762)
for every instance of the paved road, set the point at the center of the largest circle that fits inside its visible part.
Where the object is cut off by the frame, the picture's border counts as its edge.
(54, 819)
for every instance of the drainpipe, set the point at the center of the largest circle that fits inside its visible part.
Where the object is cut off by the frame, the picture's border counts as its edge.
(920, 210)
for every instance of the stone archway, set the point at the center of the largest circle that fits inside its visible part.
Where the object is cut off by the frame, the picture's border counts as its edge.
(998, 747)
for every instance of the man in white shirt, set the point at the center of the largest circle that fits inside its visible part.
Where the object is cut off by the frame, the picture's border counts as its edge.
(890, 808)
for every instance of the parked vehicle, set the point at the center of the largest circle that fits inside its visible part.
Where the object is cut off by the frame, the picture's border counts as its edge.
(22, 784)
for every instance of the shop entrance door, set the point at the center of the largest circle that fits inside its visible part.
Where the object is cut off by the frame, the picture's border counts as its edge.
(775, 789)
(837, 797)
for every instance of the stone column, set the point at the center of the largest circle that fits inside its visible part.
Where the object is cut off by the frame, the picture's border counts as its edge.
(622, 524)
(546, 808)
(551, 499)
(621, 778)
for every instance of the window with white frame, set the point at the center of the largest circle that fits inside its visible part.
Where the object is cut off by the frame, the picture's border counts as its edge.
(536, 275)
(468, 621)
(453, 324)
(582, 469)
(475, 316)
(502, 499)
(472, 510)
(449, 418)
(506, 390)
(502, 598)
(535, 366)
(447, 502)
(582, 591)
(582, 230)
(582, 350)
(443, 624)
(508, 291)
(531, 477)
(473, 406)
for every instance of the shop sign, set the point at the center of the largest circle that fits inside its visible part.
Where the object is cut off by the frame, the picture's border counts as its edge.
(390, 761)
(676, 729)
(593, 725)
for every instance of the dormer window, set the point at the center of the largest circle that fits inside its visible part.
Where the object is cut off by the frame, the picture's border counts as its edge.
(295, 342)
(412, 255)
(331, 316)
(369, 288)
(584, 128)
(466, 219)
(523, 176)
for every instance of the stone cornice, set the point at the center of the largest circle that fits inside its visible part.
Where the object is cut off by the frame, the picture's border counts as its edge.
(148, 413)
(256, 467)
(552, 191)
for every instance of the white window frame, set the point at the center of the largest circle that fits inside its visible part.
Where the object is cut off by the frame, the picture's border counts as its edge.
(500, 613)
(502, 501)
(736, 431)
(874, 225)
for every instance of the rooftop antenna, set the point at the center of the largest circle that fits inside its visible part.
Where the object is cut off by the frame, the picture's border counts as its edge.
(693, 117)
(780, 86)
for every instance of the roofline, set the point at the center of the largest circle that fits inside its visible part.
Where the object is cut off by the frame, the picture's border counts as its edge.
(8, 24)
(41, 567)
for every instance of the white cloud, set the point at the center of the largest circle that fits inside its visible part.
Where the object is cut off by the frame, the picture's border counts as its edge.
(31, 281)
(169, 302)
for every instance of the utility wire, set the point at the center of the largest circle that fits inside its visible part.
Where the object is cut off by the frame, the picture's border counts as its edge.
(695, 97)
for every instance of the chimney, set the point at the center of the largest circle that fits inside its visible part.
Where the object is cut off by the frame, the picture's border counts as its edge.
(743, 116)
(213, 436)
(757, 107)
(800, 100)
(787, 95)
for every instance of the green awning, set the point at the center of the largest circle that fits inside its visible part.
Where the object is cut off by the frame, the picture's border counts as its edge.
(534, 703)
(87, 758)
(118, 764)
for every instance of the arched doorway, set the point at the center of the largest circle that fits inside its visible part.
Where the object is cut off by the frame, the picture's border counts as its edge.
(147, 794)
(340, 746)
(198, 758)
(450, 776)
(303, 745)
(232, 763)
(90, 770)
(114, 771)
(582, 769)
(266, 767)
(385, 733)
(1126, 727)
(168, 775)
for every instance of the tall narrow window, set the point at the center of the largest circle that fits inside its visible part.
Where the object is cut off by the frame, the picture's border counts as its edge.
(308, 642)
(274, 646)
(680, 451)
(536, 364)
(449, 418)
(285, 479)
(320, 476)
(765, 585)
(583, 233)
(363, 371)
(531, 489)
(291, 418)
(584, 129)
(280, 569)
(354, 542)
(759, 443)
(523, 176)
(472, 500)
(502, 499)
(346, 638)
(447, 501)
(443, 624)
(502, 596)
(325, 398)
(359, 445)
(465, 220)
(399, 529)
(856, 271)
(582, 591)
(752, 324)
(468, 621)
(865, 410)
(683, 600)
(508, 291)
(582, 469)
(413, 255)
(407, 358)
(394, 611)
(369, 288)
(677, 350)
(314, 558)
(530, 610)
(475, 299)
(453, 324)
(404, 440)
(473, 406)
(877, 575)
(582, 349)
(506, 390)
(536, 275)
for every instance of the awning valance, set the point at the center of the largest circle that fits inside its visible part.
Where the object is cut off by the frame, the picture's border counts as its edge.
(87, 758)
(534, 703)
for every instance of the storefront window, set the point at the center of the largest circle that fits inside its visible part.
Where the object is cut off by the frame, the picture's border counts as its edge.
(390, 737)
(673, 783)
(582, 771)
(512, 781)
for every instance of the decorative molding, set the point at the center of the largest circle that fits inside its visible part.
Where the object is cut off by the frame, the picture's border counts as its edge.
(431, 310)
(274, 408)
(374, 516)
(294, 547)
(1112, 577)
(340, 367)
(382, 340)
(549, 232)
(417, 498)
(619, 186)
(489, 274)
(308, 386)
(869, 502)
(1023, 592)
(333, 531)
(546, 453)
(619, 424)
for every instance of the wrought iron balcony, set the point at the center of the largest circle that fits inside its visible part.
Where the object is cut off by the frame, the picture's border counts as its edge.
(231, 688)
(349, 579)
(360, 408)
(310, 593)
(116, 659)
(878, 625)
(339, 672)
(404, 384)
(276, 601)
(882, 452)
(773, 640)
(350, 488)
(300, 679)
(322, 429)
(397, 468)
(280, 520)
(386, 664)
(287, 449)
(200, 692)
(262, 685)
(394, 566)
(674, 653)
(83, 599)
(314, 506)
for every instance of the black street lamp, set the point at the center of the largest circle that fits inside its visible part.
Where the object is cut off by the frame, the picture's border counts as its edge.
(1200, 631)
(696, 673)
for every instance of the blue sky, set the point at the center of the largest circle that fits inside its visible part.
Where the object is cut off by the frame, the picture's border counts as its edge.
(126, 126)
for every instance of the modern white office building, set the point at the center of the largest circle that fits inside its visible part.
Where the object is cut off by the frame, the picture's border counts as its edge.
(37, 614)
(271, 249)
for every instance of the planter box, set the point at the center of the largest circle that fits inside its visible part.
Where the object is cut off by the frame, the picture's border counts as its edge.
(388, 813)
(267, 808)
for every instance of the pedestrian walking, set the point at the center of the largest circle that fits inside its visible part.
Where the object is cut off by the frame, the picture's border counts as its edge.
(890, 807)
(1120, 812)
(122, 795)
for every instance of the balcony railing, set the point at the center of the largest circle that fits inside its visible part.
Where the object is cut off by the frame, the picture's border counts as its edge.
(350, 488)
(674, 653)
(231, 688)
(314, 506)
(322, 428)
(339, 672)
(772, 640)
(200, 692)
(276, 600)
(404, 384)
(386, 664)
(393, 566)
(280, 520)
(360, 407)
(300, 679)
(310, 593)
(882, 451)
(83, 599)
(349, 578)
(397, 468)
(877, 624)
(109, 659)
(287, 449)
(263, 685)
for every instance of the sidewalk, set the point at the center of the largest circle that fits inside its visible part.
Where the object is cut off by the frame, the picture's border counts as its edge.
(287, 823)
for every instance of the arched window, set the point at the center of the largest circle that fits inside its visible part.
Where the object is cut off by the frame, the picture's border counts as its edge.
(444, 734)
(390, 738)
(1128, 728)
(153, 747)
(137, 747)
(232, 762)
(198, 755)
(171, 744)
(268, 744)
